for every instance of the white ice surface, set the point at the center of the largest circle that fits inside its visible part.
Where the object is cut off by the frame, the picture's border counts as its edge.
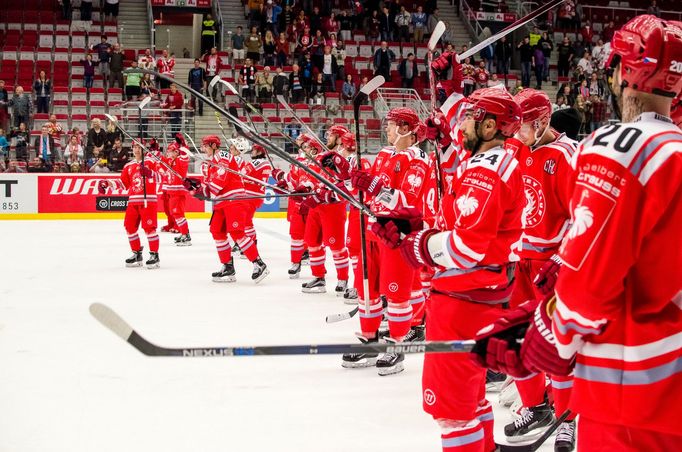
(68, 384)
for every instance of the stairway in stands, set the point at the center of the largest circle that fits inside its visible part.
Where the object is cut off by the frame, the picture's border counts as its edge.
(232, 12)
(134, 30)
(456, 27)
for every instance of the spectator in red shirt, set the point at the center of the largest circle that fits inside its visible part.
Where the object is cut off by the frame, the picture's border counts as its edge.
(482, 75)
(174, 102)
(587, 33)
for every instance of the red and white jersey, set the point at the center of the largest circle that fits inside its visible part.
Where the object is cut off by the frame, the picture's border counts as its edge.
(135, 183)
(619, 291)
(212, 64)
(222, 183)
(481, 219)
(430, 206)
(404, 174)
(353, 161)
(548, 184)
(172, 183)
(165, 65)
(294, 177)
(258, 169)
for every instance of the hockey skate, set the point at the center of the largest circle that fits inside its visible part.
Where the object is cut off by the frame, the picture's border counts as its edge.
(531, 425)
(305, 258)
(317, 285)
(416, 334)
(565, 438)
(341, 287)
(295, 271)
(225, 274)
(260, 270)
(183, 240)
(360, 360)
(135, 260)
(350, 296)
(390, 363)
(494, 381)
(153, 261)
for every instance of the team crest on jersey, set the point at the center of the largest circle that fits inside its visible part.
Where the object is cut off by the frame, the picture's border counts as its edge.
(415, 179)
(550, 166)
(397, 167)
(535, 202)
(589, 216)
(469, 206)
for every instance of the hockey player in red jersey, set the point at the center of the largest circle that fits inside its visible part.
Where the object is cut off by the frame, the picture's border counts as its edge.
(335, 135)
(228, 216)
(258, 168)
(616, 318)
(140, 178)
(473, 249)
(177, 158)
(394, 183)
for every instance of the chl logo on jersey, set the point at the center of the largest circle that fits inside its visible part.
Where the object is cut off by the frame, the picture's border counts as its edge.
(535, 202)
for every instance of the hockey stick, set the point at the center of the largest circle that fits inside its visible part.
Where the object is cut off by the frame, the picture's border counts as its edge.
(246, 198)
(111, 320)
(519, 23)
(535, 445)
(140, 107)
(250, 134)
(364, 93)
(438, 31)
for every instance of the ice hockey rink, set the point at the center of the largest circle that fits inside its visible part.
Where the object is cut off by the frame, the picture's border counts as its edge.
(68, 384)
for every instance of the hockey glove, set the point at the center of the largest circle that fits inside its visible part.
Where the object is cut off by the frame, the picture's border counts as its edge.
(415, 250)
(277, 174)
(191, 185)
(324, 196)
(497, 345)
(336, 163)
(102, 186)
(442, 63)
(392, 229)
(438, 129)
(539, 352)
(145, 171)
(546, 278)
(364, 181)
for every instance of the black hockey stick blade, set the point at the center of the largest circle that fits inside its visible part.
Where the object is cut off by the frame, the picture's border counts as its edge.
(107, 317)
(538, 442)
(333, 318)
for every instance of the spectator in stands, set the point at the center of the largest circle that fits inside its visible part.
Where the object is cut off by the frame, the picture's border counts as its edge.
(578, 49)
(408, 71)
(386, 25)
(494, 81)
(66, 9)
(307, 68)
(116, 67)
(165, 65)
(247, 76)
(4, 146)
(487, 54)
(4, 103)
(599, 55)
(534, 37)
(103, 50)
(42, 88)
(208, 33)
(271, 14)
(21, 106)
(174, 102)
(317, 90)
(96, 138)
(419, 24)
(503, 53)
(21, 141)
(196, 79)
(547, 46)
(587, 34)
(566, 15)
(329, 69)
(100, 166)
(305, 43)
(339, 53)
(119, 155)
(253, 45)
(282, 49)
(348, 89)
(566, 91)
(402, 21)
(269, 49)
(264, 82)
(598, 112)
(88, 71)
(607, 31)
(346, 25)
(318, 48)
(110, 9)
(86, 10)
(585, 64)
(374, 27)
(526, 52)
(238, 52)
(280, 82)
(213, 68)
(653, 9)
(331, 25)
(293, 130)
(132, 83)
(482, 75)
(565, 56)
(296, 84)
(539, 63)
(560, 103)
(44, 146)
(55, 130)
(74, 155)
(596, 85)
(383, 58)
(146, 60)
(468, 76)
(39, 165)
(112, 133)
(315, 21)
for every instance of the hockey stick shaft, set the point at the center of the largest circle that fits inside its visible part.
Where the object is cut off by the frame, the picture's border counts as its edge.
(246, 198)
(535, 445)
(432, 87)
(111, 320)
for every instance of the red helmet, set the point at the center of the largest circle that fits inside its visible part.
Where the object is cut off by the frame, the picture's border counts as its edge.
(211, 139)
(337, 130)
(499, 103)
(348, 141)
(648, 50)
(314, 144)
(258, 148)
(306, 138)
(173, 146)
(403, 115)
(180, 140)
(535, 107)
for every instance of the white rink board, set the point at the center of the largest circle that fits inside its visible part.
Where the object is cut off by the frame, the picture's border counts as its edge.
(69, 385)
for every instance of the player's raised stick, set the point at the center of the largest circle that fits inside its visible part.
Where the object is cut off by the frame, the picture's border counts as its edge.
(143, 103)
(438, 31)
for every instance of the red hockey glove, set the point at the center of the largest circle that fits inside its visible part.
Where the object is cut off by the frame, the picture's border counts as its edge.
(497, 345)
(191, 184)
(546, 278)
(277, 174)
(145, 171)
(415, 250)
(392, 229)
(302, 189)
(362, 180)
(438, 129)
(335, 162)
(539, 352)
(102, 186)
(442, 63)
(324, 196)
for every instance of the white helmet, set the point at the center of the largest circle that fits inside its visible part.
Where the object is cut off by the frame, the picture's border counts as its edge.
(241, 143)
